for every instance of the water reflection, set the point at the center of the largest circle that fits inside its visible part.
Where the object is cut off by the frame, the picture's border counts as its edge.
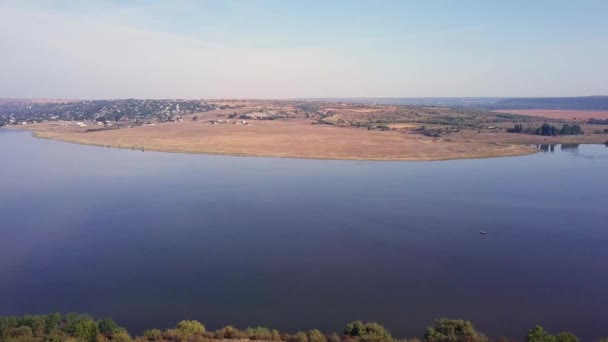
(573, 148)
(545, 147)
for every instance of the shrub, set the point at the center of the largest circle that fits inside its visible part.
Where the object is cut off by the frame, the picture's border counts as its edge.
(453, 330)
(261, 333)
(230, 332)
(153, 334)
(36, 323)
(367, 331)
(191, 327)
(121, 336)
(316, 336)
(566, 337)
(51, 322)
(539, 334)
(86, 330)
(108, 327)
(173, 335)
(23, 331)
(300, 336)
(334, 338)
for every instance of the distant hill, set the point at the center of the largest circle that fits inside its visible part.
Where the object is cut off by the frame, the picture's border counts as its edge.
(570, 103)
(493, 103)
(474, 102)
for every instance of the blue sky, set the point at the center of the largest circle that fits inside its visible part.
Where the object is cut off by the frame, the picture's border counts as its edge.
(278, 49)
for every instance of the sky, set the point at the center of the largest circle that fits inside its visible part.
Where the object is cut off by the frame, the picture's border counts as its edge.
(284, 49)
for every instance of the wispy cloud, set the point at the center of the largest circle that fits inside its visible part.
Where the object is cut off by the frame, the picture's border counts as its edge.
(100, 49)
(60, 55)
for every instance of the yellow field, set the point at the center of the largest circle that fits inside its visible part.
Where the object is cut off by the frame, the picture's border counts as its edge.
(283, 138)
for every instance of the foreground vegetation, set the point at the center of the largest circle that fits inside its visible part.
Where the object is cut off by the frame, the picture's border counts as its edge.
(75, 327)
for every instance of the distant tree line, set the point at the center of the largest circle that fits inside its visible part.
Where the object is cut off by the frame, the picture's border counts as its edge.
(84, 328)
(598, 121)
(547, 130)
(101, 110)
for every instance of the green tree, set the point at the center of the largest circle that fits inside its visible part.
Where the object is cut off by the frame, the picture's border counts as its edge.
(355, 328)
(86, 330)
(539, 334)
(453, 330)
(108, 327)
(35, 322)
(51, 322)
(566, 337)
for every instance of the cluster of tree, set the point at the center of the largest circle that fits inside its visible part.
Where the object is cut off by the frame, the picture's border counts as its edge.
(539, 334)
(547, 130)
(436, 132)
(570, 103)
(83, 328)
(57, 328)
(103, 110)
(430, 132)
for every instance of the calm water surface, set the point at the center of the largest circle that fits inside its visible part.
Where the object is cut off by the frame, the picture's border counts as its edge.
(152, 238)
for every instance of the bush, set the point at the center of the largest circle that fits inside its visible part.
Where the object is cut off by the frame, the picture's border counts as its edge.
(121, 336)
(51, 322)
(566, 337)
(453, 330)
(334, 338)
(230, 332)
(86, 330)
(36, 323)
(261, 333)
(108, 327)
(300, 336)
(173, 335)
(191, 327)
(153, 334)
(367, 331)
(23, 331)
(316, 336)
(539, 334)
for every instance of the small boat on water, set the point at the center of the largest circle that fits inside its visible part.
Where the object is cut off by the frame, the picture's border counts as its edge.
(483, 232)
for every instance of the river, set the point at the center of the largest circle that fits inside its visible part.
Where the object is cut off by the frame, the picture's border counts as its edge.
(152, 238)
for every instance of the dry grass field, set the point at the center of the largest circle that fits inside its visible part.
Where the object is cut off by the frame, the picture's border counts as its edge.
(298, 129)
(284, 138)
(560, 114)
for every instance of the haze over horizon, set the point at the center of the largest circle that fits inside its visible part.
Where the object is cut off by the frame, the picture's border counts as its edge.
(288, 49)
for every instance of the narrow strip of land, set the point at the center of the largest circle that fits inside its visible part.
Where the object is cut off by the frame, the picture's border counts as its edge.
(318, 130)
(293, 139)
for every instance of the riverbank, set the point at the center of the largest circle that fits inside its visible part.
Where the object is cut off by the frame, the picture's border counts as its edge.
(286, 139)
